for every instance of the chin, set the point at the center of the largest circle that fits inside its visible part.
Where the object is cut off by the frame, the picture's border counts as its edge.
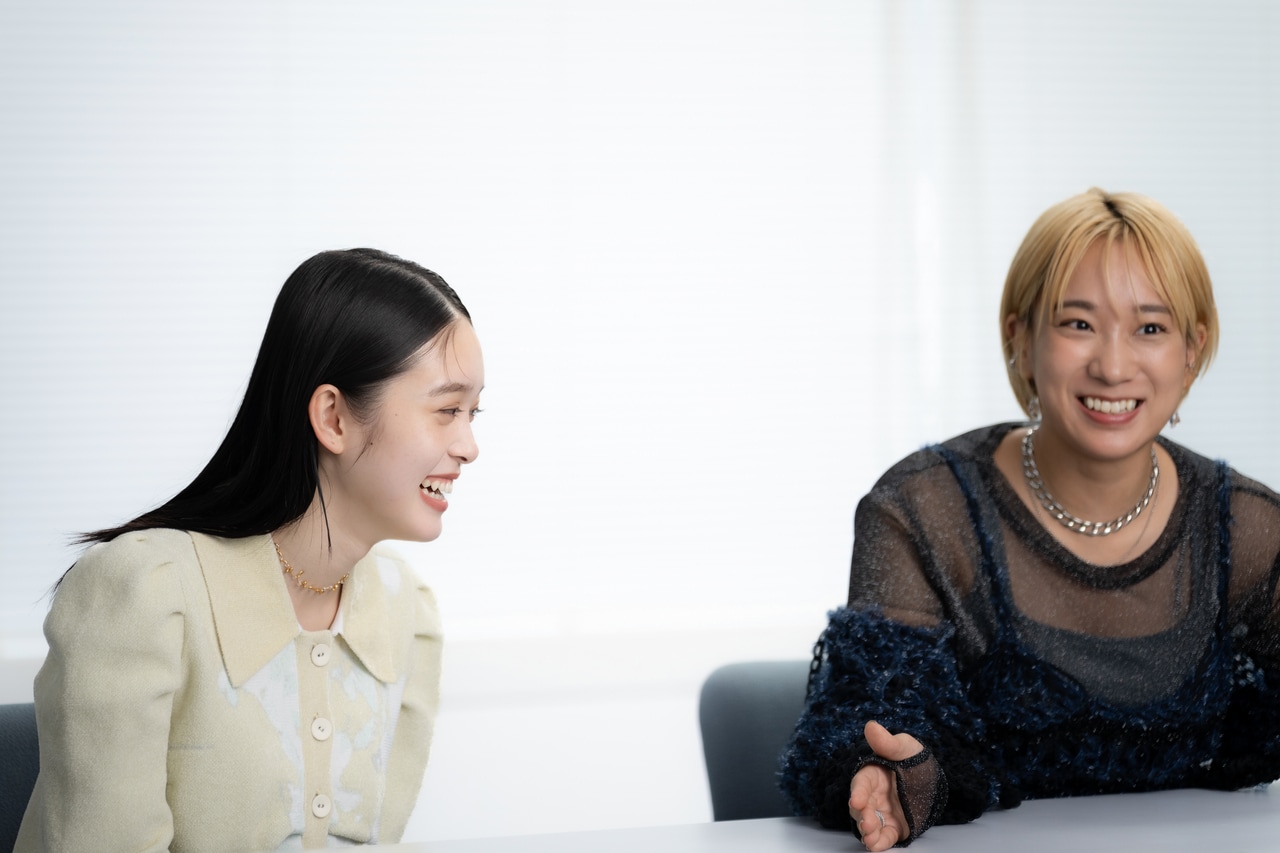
(430, 534)
(416, 534)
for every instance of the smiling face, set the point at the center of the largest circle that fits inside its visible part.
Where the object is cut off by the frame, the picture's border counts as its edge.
(393, 479)
(1110, 366)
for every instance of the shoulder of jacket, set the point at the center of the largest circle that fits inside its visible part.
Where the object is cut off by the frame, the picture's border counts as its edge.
(133, 559)
(142, 569)
(145, 546)
(398, 574)
(410, 604)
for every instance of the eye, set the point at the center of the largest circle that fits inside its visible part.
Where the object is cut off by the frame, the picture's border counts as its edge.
(454, 411)
(1151, 329)
(1076, 325)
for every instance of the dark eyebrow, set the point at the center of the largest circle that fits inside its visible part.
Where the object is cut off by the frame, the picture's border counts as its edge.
(449, 388)
(1086, 305)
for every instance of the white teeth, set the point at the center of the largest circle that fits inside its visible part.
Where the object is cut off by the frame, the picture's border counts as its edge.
(439, 487)
(1110, 407)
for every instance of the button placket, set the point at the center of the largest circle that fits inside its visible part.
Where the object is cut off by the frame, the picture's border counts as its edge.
(321, 805)
(315, 652)
(321, 728)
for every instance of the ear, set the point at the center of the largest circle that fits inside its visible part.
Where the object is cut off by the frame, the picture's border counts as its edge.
(1195, 346)
(331, 419)
(1017, 334)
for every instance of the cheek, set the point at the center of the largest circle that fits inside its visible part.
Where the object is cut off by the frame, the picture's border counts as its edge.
(397, 456)
(1172, 367)
(1068, 357)
(418, 452)
(1047, 351)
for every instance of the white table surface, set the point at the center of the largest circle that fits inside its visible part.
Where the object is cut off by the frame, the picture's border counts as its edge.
(1165, 822)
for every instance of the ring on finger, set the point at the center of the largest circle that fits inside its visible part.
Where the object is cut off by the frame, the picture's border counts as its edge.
(880, 815)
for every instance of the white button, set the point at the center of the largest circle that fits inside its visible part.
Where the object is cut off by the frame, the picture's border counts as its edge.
(321, 728)
(321, 805)
(320, 654)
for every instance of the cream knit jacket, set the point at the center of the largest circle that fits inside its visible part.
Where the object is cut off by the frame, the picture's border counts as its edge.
(182, 708)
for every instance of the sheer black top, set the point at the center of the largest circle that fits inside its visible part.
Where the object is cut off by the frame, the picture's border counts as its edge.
(1028, 672)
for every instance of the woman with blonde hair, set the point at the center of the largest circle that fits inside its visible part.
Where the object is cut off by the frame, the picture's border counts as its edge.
(1073, 605)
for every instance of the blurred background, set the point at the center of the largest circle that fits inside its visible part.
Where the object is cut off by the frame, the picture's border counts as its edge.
(728, 259)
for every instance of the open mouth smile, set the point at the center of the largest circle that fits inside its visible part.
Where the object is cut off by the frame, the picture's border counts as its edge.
(437, 488)
(1110, 407)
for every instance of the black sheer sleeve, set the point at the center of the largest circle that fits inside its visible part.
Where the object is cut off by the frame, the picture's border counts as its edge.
(892, 656)
(1250, 750)
(872, 668)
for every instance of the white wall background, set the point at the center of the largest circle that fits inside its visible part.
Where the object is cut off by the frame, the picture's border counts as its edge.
(729, 259)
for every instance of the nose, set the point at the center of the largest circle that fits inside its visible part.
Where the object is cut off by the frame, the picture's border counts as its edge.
(464, 447)
(1113, 360)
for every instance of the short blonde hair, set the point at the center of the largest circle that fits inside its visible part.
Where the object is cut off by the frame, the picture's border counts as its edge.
(1059, 239)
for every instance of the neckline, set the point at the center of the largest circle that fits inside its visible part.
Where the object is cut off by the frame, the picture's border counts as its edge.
(1024, 523)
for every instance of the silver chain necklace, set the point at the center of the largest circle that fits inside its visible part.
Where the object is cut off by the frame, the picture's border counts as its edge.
(1066, 519)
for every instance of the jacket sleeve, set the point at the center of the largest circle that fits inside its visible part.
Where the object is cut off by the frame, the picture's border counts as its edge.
(891, 656)
(411, 744)
(872, 668)
(104, 698)
(1250, 750)
(1249, 753)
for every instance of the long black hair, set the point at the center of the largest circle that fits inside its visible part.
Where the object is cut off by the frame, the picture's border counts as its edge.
(353, 319)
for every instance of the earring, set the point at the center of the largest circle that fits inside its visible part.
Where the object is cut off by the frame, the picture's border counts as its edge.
(1033, 409)
(1174, 419)
(1013, 360)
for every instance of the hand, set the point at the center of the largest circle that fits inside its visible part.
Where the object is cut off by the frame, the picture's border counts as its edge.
(874, 789)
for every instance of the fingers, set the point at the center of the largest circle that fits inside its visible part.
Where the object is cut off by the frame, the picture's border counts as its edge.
(893, 747)
(871, 784)
(878, 838)
(873, 806)
(873, 792)
(879, 830)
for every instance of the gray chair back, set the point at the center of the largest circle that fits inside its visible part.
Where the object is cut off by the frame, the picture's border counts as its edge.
(747, 712)
(19, 764)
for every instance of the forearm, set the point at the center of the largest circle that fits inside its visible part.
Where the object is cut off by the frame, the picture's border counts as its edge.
(1249, 753)
(904, 678)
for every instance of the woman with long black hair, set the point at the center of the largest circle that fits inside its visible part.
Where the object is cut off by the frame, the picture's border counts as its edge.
(243, 667)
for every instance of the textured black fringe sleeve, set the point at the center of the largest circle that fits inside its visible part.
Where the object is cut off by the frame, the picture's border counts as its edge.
(905, 678)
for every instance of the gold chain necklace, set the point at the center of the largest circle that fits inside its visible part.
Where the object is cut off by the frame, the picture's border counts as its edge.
(1066, 519)
(297, 576)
